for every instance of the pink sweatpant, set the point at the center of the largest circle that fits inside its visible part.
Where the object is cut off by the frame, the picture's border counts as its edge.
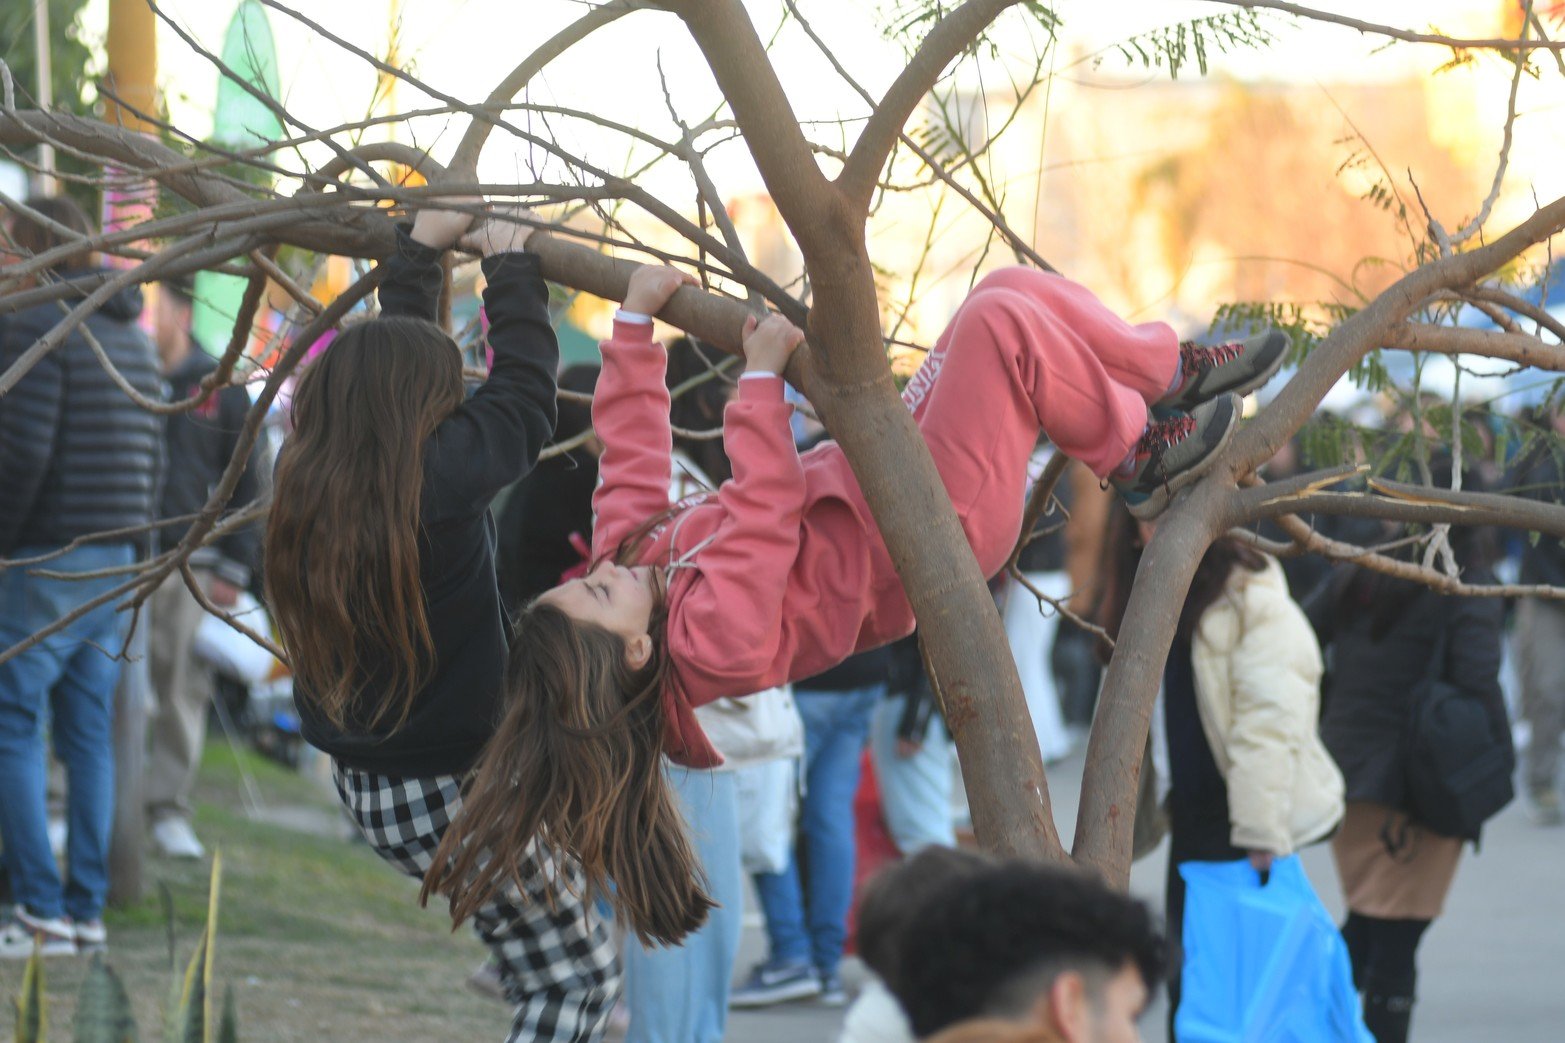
(1026, 351)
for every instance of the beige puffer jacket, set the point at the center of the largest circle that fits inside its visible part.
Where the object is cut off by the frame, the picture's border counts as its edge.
(1257, 670)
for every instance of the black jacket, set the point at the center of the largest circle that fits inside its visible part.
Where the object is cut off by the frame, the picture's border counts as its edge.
(489, 442)
(1379, 634)
(200, 442)
(77, 456)
(536, 526)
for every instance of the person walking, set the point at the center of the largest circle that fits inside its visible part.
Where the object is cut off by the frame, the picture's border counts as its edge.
(913, 756)
(1032, 626)
(1539, 644)
(807, 923)
(1381, 634)
(200, 443)
(77, 457)
(1250, 777)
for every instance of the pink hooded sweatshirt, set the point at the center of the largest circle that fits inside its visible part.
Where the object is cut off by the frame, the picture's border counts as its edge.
(769, 577)
(782, 572)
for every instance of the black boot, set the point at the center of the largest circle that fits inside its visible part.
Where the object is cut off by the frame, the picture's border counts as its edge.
(1388, 1017)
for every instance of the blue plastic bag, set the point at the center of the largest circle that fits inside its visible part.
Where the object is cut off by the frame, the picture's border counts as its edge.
(1263, 964)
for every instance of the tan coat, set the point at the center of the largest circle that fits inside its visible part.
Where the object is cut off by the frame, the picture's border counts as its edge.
(1257, 670)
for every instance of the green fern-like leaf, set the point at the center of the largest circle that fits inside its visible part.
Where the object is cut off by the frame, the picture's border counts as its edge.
(1173, 46)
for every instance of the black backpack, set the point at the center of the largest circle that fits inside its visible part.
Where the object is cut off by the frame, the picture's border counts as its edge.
(1458, 769)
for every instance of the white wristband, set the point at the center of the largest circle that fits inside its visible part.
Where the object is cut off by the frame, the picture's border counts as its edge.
(635, 317)
(747, 374)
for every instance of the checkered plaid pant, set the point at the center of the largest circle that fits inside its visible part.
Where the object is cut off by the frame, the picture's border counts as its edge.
(555, 954)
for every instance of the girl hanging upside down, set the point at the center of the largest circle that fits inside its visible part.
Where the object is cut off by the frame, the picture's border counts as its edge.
(782, 572)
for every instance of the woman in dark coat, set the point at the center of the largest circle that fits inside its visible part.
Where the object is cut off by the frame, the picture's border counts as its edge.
(1380, 634)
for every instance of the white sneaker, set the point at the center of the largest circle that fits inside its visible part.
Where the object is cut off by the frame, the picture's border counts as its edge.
(91, 936)
(174, 838)
(22, 933)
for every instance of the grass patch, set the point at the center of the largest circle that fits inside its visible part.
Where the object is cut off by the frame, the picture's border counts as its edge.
(318, 937)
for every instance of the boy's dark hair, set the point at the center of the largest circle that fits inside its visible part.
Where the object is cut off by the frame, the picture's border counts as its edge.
(892, 898)
(991, 943)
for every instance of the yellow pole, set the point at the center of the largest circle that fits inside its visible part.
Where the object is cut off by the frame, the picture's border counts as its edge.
(133, 63)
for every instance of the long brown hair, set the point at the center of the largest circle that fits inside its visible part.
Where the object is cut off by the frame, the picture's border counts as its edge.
(1122, 556)
(341, 545)
(576, 767)
(32, 236)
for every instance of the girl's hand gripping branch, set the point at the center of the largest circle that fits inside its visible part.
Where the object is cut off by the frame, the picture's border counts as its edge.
(769, 343)
(652, 285)
(441, 229)
(507, 230)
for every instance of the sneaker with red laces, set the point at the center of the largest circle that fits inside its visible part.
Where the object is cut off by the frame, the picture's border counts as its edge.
(1176, 449)
(1236, 368)
(22, 933)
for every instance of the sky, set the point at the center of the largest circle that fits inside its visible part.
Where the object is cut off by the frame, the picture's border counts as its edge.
(464, 47)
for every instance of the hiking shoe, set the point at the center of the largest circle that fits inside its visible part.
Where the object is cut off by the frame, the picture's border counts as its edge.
(91, 936)
(1176, 449)
(23, 932)
(771, 983)
(1544, 807)
(174, 838)
(832, 992)
(1236, 368)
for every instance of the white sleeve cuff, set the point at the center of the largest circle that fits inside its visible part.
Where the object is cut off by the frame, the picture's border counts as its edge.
(747, 374)
(622, 315)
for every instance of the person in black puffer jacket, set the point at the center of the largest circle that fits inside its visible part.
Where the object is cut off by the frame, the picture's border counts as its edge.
(1395, 872)
(77, 457)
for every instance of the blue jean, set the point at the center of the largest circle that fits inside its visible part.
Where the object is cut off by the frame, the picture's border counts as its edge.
(680, 994)
(67, 680)
(836, 725)
(916, 791)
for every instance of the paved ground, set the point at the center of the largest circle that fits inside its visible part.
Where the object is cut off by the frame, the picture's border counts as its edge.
(1493, 968)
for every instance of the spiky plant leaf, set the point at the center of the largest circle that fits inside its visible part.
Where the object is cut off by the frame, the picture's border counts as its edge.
(32, 1016)
(103, 1012)
(228, 1028)
(191, 1021)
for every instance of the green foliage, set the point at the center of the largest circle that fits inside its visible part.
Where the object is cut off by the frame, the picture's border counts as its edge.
(69, 57)
(228, 1028)
(70, 77)
(1173, 46)
(1381, 194)
(103, 1013)
(907, 22)
(191, 1021)
(32, 1021)
(103, 1010)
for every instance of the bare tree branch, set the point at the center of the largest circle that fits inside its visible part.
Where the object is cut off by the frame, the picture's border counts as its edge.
(1521, 348)
(1454, 42)
(950, 37)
